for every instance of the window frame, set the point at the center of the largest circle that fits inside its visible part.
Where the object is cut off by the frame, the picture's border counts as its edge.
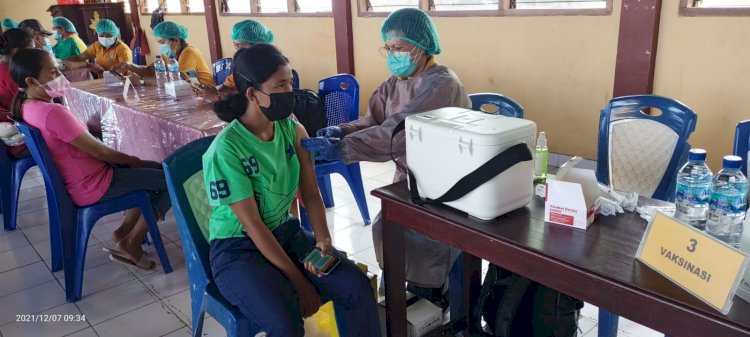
(183, 8)
(291, 11)
(503, 10)
(686, 10)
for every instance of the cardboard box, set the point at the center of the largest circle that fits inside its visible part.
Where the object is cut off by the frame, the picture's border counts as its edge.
(178, 89)
(421, 315)
(572, 199)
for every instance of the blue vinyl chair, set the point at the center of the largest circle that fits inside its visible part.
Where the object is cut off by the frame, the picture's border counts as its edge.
(222, 70)
(340, 94)
(504, 105)
(70, 225)
(184, 171)
(11, 175)
(295, 79)
(741, 140)
(628, 138)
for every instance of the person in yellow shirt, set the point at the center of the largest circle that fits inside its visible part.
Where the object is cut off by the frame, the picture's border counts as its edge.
(68, 43)
(171, 37)
(108, 51)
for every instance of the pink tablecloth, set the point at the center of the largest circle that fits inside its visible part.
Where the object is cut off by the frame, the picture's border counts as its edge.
(150, 128)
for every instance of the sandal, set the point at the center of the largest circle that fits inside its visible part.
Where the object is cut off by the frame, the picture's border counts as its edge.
(143, 263)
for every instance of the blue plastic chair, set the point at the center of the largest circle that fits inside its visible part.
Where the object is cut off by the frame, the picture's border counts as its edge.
(504, 105)
(70, 225)
(676, 117)
(295, 79)
(741, 140)
(184, 171)
(340, 94)
(11, 175)
(222, 70)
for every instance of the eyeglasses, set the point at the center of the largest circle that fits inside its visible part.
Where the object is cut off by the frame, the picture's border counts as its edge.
(385, 52)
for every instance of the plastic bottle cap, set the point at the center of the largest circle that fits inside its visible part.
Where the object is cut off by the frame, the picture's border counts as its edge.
(732, 162)
(542, 140)
(697, 154)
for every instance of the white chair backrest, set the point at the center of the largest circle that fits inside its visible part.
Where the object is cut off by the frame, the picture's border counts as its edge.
(639, 153)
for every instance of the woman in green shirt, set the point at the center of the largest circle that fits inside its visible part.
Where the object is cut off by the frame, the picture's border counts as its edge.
(68, 42)
(252, 171)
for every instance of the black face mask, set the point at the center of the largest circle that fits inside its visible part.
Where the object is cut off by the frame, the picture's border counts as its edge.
(282, 106)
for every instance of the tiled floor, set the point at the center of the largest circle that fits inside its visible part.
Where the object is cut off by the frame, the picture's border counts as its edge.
(122, 301)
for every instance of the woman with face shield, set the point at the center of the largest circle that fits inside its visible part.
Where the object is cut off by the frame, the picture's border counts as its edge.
(244, 34)
(172, 42)
(107, 51)
(68, 43)
(252, 170)
(418, 84)
(91, 171)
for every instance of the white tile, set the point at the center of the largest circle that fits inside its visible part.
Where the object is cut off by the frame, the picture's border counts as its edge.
(350, 211)
(337, 222)
(100, 278)
(84, 333)
(95, 256)
(174, 252)
(212, 328)
(115, 301)
(31, 301)
(31, 205)
(370, 169)
(12, 240)
(46, 329)
(165, 285)
(180, 305)
(23, 278)
(37, 234)
(32, 219)
(32, 193)
(586, 324)
(184, 332)
(353, 239)
(628, 328)
(367, 256)
(29, 183)
(337, 181)
(386, 178)
(343, 196)
(154, 320)
(17, 258)
(33, 172)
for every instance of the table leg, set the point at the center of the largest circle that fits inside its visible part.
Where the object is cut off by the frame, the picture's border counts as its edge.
(395, 275)
(472, 271)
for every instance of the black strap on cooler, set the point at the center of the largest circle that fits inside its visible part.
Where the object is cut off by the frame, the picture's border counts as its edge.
(498, 164)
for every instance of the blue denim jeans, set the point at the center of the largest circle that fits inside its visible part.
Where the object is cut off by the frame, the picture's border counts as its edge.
(264, 294)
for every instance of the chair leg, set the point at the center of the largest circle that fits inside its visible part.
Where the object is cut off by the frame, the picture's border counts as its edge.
(75, 237)
(354, 179)
(56, 238)
(607, 323)
(5, 199)
(326, 191)
(10, 199)
(198, 315)
(153, 229)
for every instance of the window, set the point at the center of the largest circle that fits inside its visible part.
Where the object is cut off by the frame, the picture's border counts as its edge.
(721, 3)
(558, 4)
(464, 5)
(715, 7)
(390, 5)
(173, 6)
(276, 7)
(127, 4)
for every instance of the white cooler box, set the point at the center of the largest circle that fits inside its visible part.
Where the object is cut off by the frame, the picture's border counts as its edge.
(444, 145)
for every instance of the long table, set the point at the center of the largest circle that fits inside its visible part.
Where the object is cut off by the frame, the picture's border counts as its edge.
(596, 265)
(150, 128)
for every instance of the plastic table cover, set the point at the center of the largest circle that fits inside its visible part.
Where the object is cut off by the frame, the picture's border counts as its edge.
(151, 127)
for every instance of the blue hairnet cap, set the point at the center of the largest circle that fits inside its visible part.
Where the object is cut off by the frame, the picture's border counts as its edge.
(64, 23)
(170, 30)
(414, 26)
(9, 23)
(251, 31)
(107, 26)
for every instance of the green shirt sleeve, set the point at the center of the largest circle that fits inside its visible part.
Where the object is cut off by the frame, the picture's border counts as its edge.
(226, 178)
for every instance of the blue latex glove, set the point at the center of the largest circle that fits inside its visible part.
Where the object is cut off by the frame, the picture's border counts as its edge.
(322, 148)
(330, 132)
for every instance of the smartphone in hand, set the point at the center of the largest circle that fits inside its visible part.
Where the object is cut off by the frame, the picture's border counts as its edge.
(324, 264)
(192, 77)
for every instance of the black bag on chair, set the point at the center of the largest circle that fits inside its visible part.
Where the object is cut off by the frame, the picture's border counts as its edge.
(514, 306)
(310, 110)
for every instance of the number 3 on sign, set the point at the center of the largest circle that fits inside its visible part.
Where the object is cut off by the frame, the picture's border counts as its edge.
(219, 189)
(693, 243)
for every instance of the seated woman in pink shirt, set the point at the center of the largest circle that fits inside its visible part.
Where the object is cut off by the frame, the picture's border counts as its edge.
(11, 41)
(91, 171)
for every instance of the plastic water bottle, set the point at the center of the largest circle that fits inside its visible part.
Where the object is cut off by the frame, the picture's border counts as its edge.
(726, 208)
(694, 189)
(540, 162)
(174, 69)
(161, 72)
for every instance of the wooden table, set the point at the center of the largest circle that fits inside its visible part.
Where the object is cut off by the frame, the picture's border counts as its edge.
(597, 265)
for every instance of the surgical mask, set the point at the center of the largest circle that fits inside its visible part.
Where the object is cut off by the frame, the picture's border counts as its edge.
(57, 87)
(106, 41)
(57, 36)
(401, 64)
(47, 45)
(282, 105)
(166, 50)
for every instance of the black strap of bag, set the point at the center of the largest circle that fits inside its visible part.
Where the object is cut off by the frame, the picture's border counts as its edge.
(498, 164)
